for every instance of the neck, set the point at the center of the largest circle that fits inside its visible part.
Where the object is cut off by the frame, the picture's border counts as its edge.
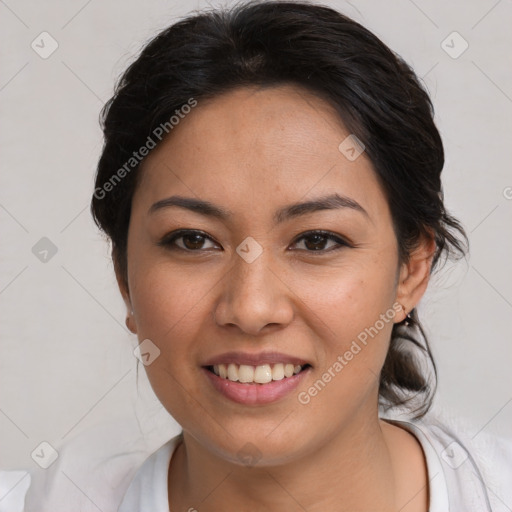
(352, 470)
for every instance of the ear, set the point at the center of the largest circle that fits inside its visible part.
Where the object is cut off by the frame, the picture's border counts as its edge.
(414, 275)
(122, 282)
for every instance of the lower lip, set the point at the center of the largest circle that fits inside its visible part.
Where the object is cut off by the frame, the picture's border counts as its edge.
(256, 394)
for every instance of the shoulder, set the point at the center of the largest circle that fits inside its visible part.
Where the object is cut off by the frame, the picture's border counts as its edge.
(148, 489)
(467, 467)
(92, 471)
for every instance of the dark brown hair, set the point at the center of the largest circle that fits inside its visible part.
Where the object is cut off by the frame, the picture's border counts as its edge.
(377, 95)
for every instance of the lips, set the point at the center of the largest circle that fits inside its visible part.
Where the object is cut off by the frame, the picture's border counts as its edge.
(253, 379)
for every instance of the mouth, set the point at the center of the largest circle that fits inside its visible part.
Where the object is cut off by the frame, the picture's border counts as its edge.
(255, 379)
(261, 374)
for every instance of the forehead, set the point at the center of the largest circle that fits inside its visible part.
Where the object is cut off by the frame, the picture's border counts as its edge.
(253, 149)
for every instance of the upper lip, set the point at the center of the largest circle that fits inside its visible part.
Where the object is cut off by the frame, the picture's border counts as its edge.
(254, 359)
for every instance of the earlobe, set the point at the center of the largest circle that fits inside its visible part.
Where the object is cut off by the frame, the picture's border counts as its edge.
(122, 283)
(415, 275)
(130, 322)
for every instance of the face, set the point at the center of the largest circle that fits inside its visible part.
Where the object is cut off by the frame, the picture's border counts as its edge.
(250, 281)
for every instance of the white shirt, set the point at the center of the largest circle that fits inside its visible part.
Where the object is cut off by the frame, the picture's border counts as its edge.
(455, 480)
(465, 475)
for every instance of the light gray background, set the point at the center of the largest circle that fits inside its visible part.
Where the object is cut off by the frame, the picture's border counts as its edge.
(66, 357)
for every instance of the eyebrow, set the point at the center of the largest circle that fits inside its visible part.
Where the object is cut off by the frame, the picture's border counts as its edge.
(330, 202)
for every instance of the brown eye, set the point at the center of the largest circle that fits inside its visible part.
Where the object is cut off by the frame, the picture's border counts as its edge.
(191, 241)
(318, 240)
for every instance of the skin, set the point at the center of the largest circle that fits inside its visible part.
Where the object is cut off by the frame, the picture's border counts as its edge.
(253, 151)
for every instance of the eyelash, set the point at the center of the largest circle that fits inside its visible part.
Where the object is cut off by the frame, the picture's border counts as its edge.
(169, 240)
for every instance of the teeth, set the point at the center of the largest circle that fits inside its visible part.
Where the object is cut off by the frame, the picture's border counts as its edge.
(288, 370)
(246, 373)
(260, 374)
(263, 374)
(278, 372)
(233, 372)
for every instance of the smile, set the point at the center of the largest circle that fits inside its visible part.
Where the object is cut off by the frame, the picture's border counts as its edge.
(256, 385)
(262, 374)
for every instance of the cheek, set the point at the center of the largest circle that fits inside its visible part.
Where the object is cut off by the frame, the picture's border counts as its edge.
(169, 302)
(167, 297)
(356, 306)
(351, 298)
(170, 311)
(346, 381)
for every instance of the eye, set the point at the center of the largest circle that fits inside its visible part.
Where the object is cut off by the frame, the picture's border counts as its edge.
(186, 240)
(196, 241)
(317, 240)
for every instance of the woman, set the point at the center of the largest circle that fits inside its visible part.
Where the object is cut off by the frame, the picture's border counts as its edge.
(270, 183)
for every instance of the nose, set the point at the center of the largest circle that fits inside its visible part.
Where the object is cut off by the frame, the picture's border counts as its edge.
(254, 297)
